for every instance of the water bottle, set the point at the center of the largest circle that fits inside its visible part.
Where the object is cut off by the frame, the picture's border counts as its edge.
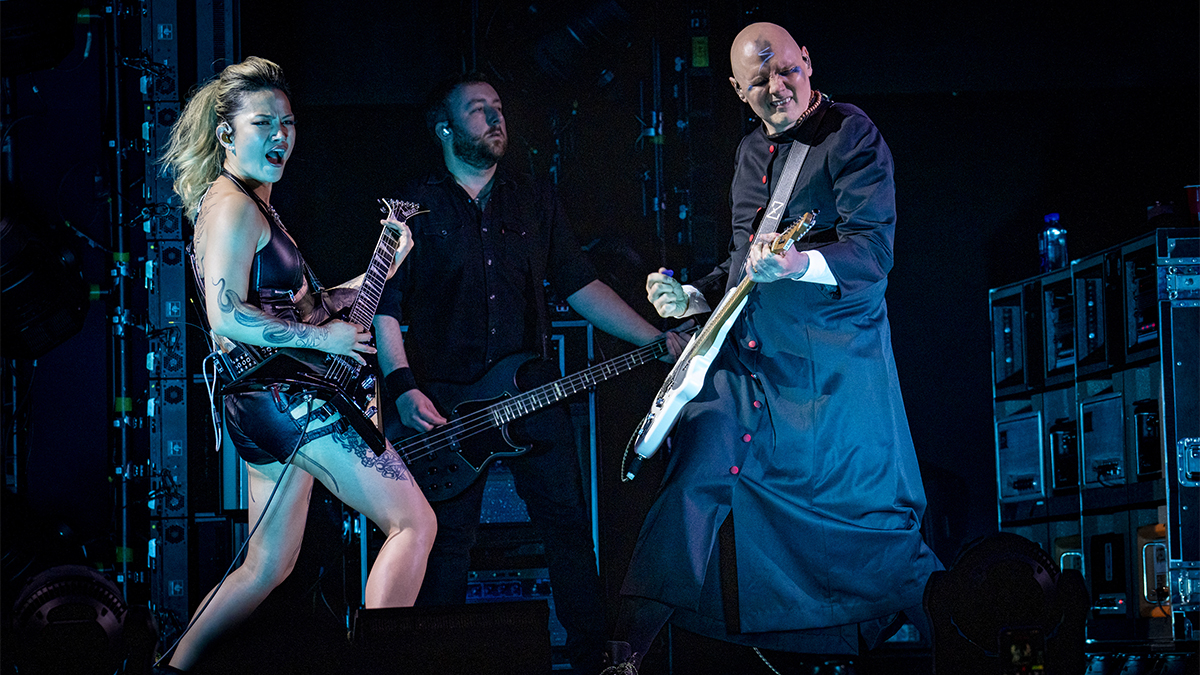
(1052, 245)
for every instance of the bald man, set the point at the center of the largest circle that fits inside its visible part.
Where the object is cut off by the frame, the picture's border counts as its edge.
(789, 517)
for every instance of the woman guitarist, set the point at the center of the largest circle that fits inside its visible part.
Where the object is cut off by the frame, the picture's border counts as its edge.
(227, 150)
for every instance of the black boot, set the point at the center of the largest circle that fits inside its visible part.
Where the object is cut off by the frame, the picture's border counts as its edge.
(620, 659)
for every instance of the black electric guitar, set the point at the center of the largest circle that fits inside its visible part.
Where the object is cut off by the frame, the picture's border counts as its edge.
(336, 378)
(447, 459)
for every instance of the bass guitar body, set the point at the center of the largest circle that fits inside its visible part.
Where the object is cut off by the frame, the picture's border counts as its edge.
(448, 459)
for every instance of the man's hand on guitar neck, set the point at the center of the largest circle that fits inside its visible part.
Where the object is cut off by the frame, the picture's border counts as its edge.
(417, 411)
(765, 267)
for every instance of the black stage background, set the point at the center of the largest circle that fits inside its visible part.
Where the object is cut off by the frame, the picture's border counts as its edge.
(996, 115)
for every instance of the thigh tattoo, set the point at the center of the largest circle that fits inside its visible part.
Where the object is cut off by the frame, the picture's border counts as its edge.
(389, 464)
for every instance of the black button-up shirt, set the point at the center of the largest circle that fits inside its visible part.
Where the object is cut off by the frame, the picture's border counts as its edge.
(471, 291)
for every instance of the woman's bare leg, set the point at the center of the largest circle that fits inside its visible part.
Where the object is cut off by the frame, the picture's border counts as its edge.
(381, 488)
(270, 555)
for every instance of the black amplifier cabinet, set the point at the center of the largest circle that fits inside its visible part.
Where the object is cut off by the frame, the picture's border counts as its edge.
(1020, 457)
(1178, 295)
(516, 585)
(1139, 274)
(1058, 328)
(1096, 395)
(1099, 329)
(1016, 339)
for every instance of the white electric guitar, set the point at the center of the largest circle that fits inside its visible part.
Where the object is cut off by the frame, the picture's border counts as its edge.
(686, 378)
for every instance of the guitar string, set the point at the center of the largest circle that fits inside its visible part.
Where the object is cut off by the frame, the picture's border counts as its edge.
(719, 316)
(540, 395)
(473, 423)
(341, 369)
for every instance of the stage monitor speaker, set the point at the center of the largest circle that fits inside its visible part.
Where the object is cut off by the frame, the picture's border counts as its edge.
(1004, 607)
(495, 638)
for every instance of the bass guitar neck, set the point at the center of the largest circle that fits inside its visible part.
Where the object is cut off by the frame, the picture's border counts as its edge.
(446, 460)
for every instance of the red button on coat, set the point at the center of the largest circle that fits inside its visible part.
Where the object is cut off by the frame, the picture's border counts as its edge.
(764, 179)
(771, 149)
(733, 470)
(746, 438)
(758, 404)
(752, 344)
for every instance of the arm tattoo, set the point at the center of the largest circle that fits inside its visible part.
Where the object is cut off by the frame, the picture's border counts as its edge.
(274, 331)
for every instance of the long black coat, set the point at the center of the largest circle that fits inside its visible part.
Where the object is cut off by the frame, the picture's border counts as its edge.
(800, 428)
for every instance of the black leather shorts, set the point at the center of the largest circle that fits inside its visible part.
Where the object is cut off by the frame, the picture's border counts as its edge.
(268, 426)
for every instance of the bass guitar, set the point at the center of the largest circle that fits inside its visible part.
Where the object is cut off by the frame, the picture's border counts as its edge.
(687, 375)
(446, 460)
(338, 379)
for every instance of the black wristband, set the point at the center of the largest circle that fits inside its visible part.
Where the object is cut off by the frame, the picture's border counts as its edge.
(399, 381)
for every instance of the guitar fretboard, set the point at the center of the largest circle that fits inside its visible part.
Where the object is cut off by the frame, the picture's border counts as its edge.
(343, 369)
(506, 411)
(536, 399)
(363, 311)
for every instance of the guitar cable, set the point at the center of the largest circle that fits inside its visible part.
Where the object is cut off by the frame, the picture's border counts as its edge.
(308, 399)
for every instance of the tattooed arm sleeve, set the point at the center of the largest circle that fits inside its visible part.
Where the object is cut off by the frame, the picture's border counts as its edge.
(233, 231)
(247, 323)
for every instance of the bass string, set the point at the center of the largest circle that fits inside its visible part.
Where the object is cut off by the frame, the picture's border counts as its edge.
(491, 416)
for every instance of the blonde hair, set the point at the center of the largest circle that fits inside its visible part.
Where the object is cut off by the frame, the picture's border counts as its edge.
(193, 154)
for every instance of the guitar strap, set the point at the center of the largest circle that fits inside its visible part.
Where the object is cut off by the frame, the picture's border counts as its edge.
(274, 296)
(783, 189)
(777, 205)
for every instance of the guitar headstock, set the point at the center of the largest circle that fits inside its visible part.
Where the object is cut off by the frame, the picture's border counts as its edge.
(396, 209)
(798, 229)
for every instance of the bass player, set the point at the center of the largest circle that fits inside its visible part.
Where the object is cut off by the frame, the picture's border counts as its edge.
(472, 294)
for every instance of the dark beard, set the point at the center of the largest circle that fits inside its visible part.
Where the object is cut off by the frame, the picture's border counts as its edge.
(477, 152)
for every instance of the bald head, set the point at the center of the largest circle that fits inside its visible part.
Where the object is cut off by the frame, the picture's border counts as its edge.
(756, 45)
(771, 73)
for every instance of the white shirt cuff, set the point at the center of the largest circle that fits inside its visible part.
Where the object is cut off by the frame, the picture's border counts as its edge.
(818, 271)
(696, 302)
